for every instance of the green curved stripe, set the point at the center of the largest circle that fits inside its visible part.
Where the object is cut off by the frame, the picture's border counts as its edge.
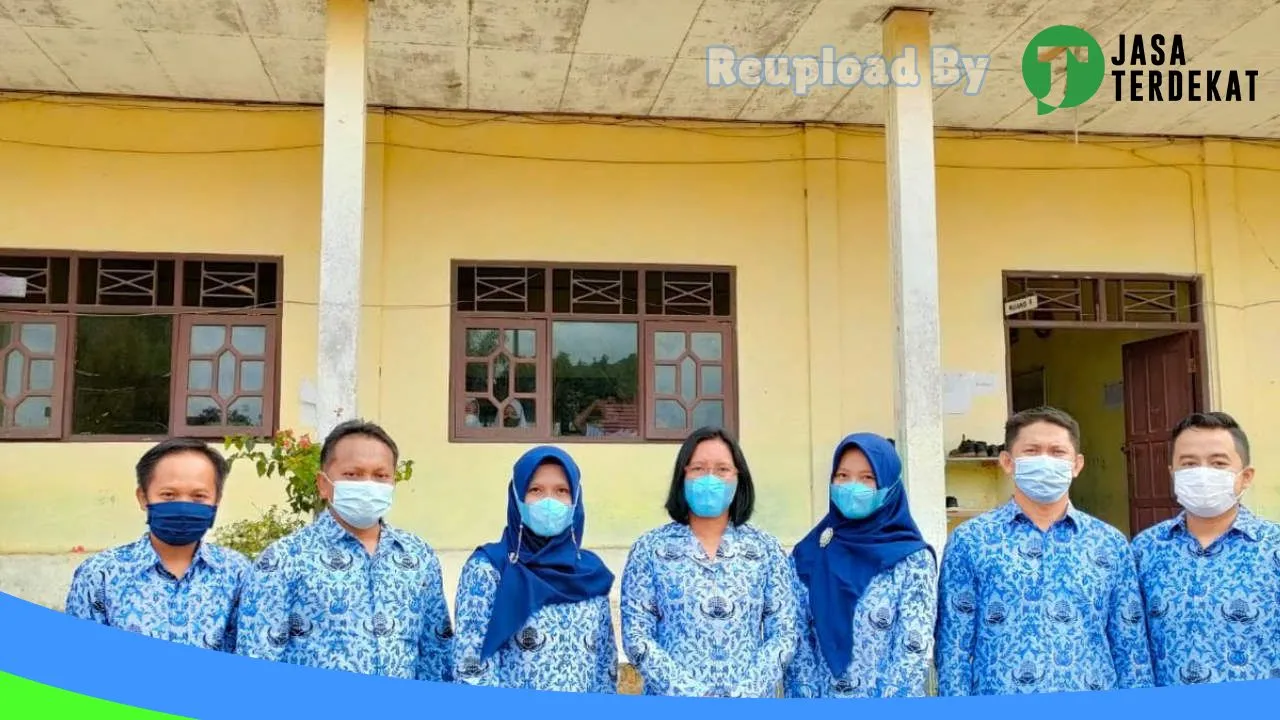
(20, 697)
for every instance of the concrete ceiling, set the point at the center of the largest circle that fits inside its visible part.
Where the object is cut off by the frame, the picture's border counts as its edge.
(619, 57)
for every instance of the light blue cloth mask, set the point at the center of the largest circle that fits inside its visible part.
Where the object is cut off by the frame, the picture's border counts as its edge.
(1042, 478)
(709, 496)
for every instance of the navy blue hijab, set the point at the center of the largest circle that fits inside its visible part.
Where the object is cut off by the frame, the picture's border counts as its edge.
(546, 571)
(837, 575)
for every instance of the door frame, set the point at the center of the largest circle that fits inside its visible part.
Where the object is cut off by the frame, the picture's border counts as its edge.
(1199, 342)
(1201, 385)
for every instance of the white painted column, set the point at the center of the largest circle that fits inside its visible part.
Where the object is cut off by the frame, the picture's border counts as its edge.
(913, 232)
(342, 211)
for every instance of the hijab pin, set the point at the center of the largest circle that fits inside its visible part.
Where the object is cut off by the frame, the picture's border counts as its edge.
(825, 539)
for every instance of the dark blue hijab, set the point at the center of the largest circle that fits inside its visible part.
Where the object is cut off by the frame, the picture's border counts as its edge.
(837, 575)
(547, 571)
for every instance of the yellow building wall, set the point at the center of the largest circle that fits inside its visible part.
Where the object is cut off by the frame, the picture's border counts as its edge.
(205, 179)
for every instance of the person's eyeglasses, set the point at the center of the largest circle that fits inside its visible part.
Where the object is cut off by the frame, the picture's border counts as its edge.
(721, 471)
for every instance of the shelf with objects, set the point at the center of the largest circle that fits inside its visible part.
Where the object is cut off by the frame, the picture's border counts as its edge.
(975, 484)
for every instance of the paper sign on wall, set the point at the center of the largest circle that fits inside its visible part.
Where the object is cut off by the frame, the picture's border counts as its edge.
(1113, 395)
(1021, 305)
(957, 393)
(307, 401)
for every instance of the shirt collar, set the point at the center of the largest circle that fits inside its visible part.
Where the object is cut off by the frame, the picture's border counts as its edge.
(1246, 523)
(333, 532)
(144, 554)
(1012, 513)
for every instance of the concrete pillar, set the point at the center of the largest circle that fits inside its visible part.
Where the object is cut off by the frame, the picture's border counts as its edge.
(822, 227)
(342, 211)
(913, 233)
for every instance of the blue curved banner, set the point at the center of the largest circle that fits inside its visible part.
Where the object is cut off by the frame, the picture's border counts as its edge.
(51, 649)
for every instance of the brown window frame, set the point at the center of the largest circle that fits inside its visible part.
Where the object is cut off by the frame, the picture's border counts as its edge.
(212, 288)
(541, 317)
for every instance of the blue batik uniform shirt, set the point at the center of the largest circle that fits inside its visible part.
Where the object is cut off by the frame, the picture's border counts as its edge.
(318, 598)
(1023, 610)
(1213, 613)
(699, 626)
(127, 587)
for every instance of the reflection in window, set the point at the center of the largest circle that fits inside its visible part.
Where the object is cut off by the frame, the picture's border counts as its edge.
(122, 375)
(594, 379)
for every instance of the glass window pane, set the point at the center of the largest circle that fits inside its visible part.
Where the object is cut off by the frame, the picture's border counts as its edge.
(41, 375)
(664, 379)
(249, 339)
(13, 363)
(199, 375)
(522, 343)
(501, 378)
(712, 380)
(207, 339)
(519, 413)
(708, 346)
(669, 415)
(39, 337)
(526, 378)
(595, 379)
(668, 345)
(34, 412)
(480, 412)
(122, 373)
(708, 412)
(688, 379)
(203, 411)
(245, 411)
(227, 375)
(477, 378)
(252, 375)
(6, 334)
(481, 343)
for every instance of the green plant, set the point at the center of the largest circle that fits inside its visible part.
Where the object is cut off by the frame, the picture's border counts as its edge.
(296, 460)
(251, 537)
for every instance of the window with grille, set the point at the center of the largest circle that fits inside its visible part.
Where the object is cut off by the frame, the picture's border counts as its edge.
(591, 353)
(136, 346)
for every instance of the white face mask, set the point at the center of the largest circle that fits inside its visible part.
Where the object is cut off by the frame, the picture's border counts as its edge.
(1204, 491)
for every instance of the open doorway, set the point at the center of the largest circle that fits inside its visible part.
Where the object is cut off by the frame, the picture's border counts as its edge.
(1127, 381)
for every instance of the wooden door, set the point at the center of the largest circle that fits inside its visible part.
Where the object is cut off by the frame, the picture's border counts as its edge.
(1159, 390)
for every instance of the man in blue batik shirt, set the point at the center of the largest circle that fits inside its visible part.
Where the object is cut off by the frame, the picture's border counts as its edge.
(1037, 596)
(168, 584)
(1211, 575)
(349, 591)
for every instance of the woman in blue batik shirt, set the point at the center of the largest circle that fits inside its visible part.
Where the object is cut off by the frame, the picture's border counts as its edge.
(533, 608)
(707, 604)
(865, 582)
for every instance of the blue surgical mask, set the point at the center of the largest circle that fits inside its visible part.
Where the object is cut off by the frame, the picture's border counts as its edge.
(180, 523)
(709, 496)
(547, 517)
(1042, 478)
(361, 503)
(857, 501)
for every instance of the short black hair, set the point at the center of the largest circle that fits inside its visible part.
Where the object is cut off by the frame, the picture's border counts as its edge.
(1044, 414)
(356, 427)
(1213, 421)
(744, 498)
(146, 467)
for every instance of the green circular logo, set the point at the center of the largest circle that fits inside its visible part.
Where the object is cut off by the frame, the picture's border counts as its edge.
(1083, 76)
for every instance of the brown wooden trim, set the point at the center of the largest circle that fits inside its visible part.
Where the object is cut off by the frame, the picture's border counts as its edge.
(67, 315)
(1109, 275)
(541, 429)
(1095, 325)
(180, 394)
(728, 378)
(56, 394)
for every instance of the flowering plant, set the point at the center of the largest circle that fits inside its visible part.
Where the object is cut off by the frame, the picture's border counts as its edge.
(296, 459)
